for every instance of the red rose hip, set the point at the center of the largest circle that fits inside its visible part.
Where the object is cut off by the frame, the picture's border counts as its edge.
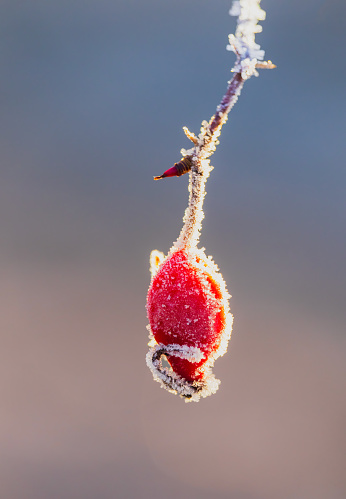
(190, 323)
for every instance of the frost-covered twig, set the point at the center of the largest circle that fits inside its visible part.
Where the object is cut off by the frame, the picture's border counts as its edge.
(249, 58)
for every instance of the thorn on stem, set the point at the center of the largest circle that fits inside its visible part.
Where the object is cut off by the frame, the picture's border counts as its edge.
(265, 65)
(177, 169)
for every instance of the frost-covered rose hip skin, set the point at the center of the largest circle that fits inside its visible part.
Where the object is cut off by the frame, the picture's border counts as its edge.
(187, 305)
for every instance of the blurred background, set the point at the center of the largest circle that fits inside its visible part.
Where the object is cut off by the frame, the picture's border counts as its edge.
(94, 95)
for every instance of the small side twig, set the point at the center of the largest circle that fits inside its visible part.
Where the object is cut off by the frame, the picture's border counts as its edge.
(190, 135)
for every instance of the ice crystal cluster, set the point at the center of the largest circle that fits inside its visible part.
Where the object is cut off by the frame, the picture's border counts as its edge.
(243, 42)
(190, 323)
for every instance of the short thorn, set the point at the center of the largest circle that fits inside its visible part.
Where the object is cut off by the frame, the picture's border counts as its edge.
(265, 65)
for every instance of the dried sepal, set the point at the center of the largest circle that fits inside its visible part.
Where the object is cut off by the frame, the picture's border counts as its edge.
(190, 391)
(156, 258)
(178, 169)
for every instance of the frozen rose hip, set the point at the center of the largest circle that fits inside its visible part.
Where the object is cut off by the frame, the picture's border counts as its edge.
(187, 307)
(184, 308)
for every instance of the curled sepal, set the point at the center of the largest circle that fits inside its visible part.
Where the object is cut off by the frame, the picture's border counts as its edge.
(171, 381)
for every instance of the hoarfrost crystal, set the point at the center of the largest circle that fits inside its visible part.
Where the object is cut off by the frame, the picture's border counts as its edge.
(243, 43)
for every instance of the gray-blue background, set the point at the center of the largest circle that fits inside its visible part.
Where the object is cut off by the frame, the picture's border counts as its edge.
(93, 96)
